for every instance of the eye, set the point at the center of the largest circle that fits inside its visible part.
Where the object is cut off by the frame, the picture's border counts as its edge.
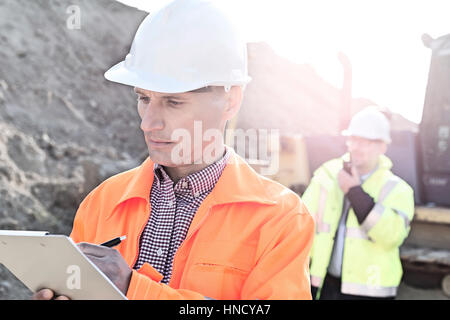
(144, 99)
(174, 103)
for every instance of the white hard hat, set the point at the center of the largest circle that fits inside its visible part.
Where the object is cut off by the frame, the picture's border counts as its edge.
(371, 124)
(186, 45)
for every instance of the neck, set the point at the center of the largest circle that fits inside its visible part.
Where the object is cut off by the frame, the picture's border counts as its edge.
(368, 168)
(177, 173)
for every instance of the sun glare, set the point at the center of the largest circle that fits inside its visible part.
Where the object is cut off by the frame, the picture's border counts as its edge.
(381, 38)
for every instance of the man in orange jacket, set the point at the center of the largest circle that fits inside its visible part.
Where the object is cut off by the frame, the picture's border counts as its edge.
(200, 223)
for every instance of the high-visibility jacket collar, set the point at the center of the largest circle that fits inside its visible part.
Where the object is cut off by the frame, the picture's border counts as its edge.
(238, 183)
(383, 163)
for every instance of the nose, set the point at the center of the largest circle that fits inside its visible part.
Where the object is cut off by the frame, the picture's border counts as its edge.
(152, 119)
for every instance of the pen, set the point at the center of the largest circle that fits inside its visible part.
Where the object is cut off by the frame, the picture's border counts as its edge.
(113, 242)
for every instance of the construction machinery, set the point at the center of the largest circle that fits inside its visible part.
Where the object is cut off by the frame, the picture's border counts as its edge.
(426, 252)
(421, 158)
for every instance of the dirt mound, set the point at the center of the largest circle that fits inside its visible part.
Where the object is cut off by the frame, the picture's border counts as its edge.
(64, 129)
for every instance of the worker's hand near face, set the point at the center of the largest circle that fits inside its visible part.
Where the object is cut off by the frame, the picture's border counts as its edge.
(347, 181)
(110, 262)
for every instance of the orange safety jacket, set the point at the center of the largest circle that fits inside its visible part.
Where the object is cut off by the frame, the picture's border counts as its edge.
(249, 239)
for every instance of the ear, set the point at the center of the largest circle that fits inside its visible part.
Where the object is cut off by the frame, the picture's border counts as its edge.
(234, 101)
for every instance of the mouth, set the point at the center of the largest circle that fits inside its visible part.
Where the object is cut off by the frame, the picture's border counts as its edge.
(155, 143)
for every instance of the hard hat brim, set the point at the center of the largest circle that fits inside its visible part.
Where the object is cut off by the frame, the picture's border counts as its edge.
(121, 74)
(348, 133)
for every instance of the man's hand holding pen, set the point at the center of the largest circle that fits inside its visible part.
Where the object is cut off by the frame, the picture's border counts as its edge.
(110, 262)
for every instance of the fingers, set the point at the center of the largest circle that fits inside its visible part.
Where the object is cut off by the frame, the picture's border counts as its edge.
(106, 259)
(94, 250)
(44, 294)
(355, 175)
(47, 294)
(343, 175)
(98, 261)
(355, 172)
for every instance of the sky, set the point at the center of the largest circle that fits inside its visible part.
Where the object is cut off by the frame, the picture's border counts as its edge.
(381, 38)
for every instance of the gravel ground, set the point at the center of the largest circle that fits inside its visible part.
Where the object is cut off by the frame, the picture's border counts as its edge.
(406, 292)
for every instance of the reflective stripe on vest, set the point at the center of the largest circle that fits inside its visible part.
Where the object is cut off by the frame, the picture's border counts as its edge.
(355, 232)
(320, 225)
(316, 281)
(375, 215)
(404, 216)
(366, 290)
(387, 188)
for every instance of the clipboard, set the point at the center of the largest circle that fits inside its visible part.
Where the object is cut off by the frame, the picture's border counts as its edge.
(41, 260)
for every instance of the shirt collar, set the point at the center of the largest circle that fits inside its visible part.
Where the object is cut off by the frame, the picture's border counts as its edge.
(198, 182)
(238, 183)
(364, 177)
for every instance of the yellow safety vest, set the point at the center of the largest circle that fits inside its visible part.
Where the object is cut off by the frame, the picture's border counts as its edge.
(371, 263)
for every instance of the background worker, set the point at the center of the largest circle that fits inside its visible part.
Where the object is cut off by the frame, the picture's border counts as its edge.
(195, 229)
(362, 213)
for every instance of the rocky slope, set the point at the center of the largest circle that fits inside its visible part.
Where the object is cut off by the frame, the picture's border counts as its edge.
(63, 128)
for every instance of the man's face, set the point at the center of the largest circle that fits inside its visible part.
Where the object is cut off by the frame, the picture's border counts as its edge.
(176, 121)
(365, 153)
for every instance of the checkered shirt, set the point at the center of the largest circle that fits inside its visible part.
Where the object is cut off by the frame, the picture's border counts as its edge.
(172, 211)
